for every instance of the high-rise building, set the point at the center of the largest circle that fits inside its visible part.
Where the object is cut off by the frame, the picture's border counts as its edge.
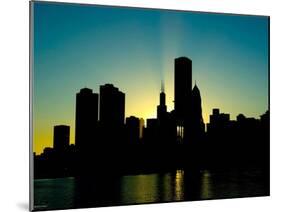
(133, 129)
(61, 137)
(183, 87)
(112, 115)
(182, 98)
(86, 118)
(151, 131)
(162, 108)
(197, 123)
(112, 105)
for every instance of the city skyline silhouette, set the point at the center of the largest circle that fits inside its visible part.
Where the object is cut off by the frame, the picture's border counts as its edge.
(102, 130)
(92, 108)
(70, 57)
(133, 106)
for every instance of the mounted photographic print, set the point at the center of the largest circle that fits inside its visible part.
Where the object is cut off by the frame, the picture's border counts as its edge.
(134, 105)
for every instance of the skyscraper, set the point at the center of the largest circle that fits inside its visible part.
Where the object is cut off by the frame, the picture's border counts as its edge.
(61, 138)
(133, 129)
(151, 131)
(197, 123)
(183, 87)
(86, 118)
(182, 98)
(162, 108)
(112, 115)
(112, 105)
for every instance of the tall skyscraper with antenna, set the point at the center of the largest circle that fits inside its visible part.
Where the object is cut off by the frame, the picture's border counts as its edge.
(162, 108)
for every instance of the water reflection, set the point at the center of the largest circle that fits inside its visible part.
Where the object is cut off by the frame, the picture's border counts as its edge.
(54, 193)
(206, 188)
(179, 185)
(139, 188)
(147, 188)
(166, 181)
(153, 188)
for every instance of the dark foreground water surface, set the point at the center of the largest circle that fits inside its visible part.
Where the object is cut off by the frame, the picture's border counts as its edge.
(180, 185)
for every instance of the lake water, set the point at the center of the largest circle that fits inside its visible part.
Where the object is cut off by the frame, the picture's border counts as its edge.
(180, 185)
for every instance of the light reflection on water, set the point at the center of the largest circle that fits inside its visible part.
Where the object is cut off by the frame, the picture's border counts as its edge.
(206, 188)
(179, 185)
(146, 188)
(153, 188)
(139, 188)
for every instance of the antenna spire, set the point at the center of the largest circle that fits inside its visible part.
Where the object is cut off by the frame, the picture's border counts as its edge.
(162, 86)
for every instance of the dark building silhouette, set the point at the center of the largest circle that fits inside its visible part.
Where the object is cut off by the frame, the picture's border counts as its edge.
(182, 98)
(112, 105)
(219, 122)
(247, 128)
(197, 126)
(182, 87)
(141, 127)
(86, 119)
(162, 108)
(218, 119)
(48, 151)
(133, 130)
(221, 132)
(151, 131)
(166, 128)
(112, 116)
(61, 137)
(220, 128)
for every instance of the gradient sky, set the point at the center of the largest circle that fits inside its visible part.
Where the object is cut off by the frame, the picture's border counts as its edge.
(78, 46)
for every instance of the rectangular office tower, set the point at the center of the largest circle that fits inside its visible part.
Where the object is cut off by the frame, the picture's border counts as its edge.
(61, 137)
(86, 118)
(183, 87)
(132, 129)
(112, 105)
